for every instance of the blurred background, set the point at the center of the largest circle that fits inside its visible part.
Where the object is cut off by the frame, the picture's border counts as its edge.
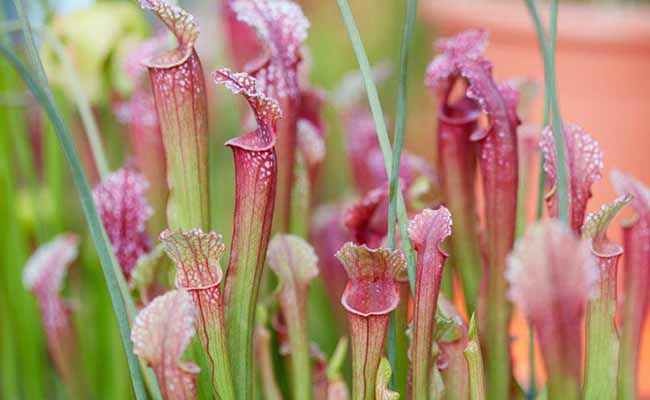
(603, 59)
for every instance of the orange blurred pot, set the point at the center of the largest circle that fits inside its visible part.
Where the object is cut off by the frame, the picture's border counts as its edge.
(603, 70)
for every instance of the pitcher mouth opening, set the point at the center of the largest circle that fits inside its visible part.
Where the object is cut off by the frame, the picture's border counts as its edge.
(462, 112)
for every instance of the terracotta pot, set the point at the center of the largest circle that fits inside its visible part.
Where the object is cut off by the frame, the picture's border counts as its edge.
(603, 70)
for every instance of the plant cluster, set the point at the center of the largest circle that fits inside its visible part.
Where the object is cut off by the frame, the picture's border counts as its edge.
(387, 258)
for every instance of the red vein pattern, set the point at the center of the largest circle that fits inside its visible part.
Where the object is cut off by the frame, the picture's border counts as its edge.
(457, 168)
(282, 28)
(369, 297)
(255, 180)
(161, 332)
(180, 96)
(198, 271)
(498, 160)
(427, 230)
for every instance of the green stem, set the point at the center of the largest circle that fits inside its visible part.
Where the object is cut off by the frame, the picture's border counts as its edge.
(30, 45)
(548, 54)
(264, 359)
(522, 192)
(106, 256)
(300, 357)
(398, 357)
(400, 118)
(54, 175)
(558, 129)
(550, 103)
(398, 343)
(300, 199)
(627, 380)
(531, 393)
(391, 163)
(497, 338)
(382, 134)
(367, 349)
(602, 345)
(475, 364)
